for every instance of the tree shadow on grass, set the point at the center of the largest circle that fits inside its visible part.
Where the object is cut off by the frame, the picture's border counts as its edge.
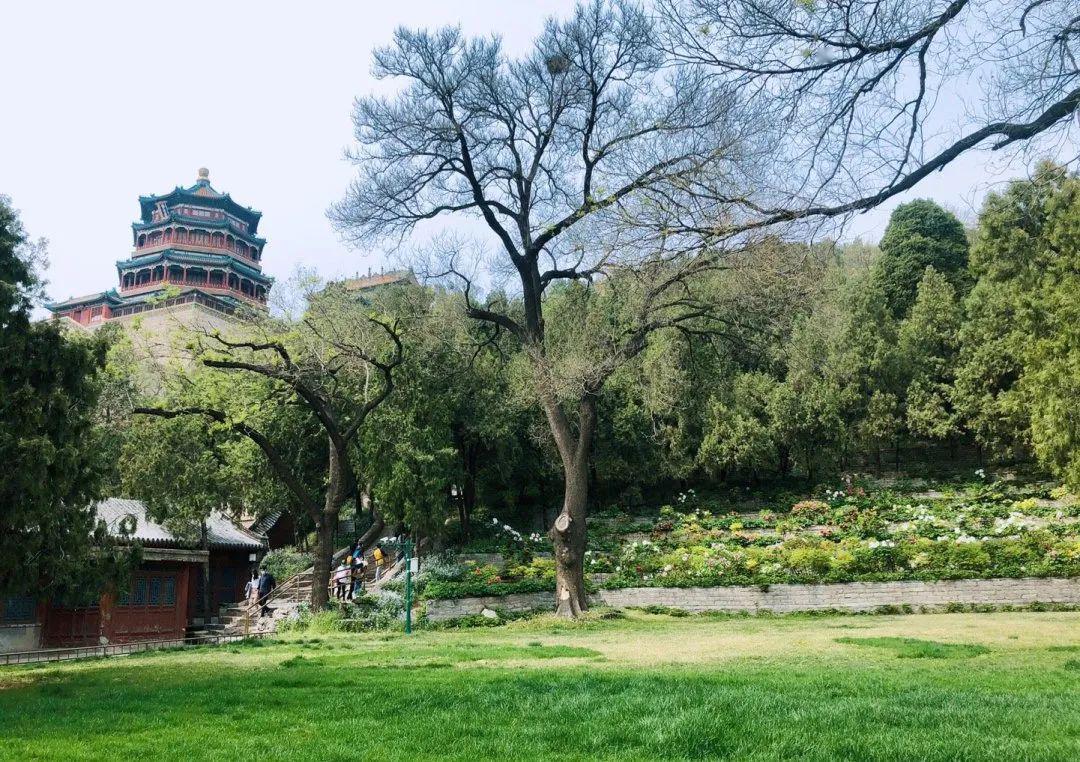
(913, 648)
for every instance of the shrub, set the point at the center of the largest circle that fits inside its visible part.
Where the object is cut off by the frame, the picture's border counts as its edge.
(971, 557)
(809, 562)
(811, 511)
(286, 562)
(442, 567)
(471, 588)
(538, 568)
(384, 610)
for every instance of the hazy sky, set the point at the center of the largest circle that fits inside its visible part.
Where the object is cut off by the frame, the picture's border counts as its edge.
(107, 101)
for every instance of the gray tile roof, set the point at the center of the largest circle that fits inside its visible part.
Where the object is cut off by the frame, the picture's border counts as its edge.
(221, 532)
(266, 523)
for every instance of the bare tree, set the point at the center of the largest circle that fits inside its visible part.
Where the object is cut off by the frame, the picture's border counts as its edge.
(560, 155)
(338, 364)
(860, 100)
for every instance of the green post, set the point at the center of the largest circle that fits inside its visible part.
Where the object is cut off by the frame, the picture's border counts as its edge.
(407, 547)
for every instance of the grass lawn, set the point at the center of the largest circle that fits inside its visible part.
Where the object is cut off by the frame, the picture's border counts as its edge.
(949, 686)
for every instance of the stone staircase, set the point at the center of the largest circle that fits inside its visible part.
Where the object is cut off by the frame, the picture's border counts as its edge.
(243, 618)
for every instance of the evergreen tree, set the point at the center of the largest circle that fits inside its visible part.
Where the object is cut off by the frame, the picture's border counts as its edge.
(1022, 260)
(742, 436)
(49, 539)
(920, 234)
(1050, 385)
(927, 341)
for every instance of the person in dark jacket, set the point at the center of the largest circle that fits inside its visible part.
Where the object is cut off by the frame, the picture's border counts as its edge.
(267, 583)
(358, 564)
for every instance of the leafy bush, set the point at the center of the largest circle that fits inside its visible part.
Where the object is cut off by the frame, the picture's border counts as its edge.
(383, 611)
(538, 568)
(286, 562)
(811, 511)
(476, 587)
(441, 567)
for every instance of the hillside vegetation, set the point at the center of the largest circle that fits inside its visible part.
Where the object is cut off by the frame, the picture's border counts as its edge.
(867, 530)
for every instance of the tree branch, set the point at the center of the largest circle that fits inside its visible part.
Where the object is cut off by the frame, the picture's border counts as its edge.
(277, 463)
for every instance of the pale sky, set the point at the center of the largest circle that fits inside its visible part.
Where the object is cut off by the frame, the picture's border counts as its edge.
(109, 101)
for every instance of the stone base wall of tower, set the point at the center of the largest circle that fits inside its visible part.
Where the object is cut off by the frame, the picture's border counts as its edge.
(162, 334)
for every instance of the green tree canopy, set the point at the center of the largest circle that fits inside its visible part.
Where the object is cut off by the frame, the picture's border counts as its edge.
(927, 344)
(49, 539)
(1017, 381)
(1021, 260)
(920, 234)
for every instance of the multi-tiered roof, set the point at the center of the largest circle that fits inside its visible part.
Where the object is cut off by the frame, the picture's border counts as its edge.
(192, 244)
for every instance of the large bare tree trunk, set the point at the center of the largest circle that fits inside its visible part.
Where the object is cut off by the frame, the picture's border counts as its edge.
(568, 535)
(568, 531)
(367, 539)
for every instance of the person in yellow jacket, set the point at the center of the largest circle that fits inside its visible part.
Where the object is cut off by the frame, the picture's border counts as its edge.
(380, 560)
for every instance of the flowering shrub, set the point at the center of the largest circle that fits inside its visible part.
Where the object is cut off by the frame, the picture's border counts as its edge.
(812, 511)
(496, 536)
(981, 530)
(487, 579)
(808, 560)
(999, 530)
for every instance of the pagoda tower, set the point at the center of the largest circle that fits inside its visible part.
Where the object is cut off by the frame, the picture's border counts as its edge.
(193, 245)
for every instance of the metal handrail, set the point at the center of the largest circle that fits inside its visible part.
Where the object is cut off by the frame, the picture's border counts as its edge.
(290, 588)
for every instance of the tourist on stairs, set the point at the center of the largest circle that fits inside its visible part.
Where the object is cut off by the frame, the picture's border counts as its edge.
(358, 564)
(341, 577)
(267, 583)
(251, 589)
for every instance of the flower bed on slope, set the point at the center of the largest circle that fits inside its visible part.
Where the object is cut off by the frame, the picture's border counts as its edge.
(979, 531)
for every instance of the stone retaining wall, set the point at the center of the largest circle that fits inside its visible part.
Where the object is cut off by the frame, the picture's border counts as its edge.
(19, 637)
(455, 608)
(846, 596)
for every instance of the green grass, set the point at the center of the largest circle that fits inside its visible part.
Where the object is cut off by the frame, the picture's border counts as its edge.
(913, 648)
(648, 686)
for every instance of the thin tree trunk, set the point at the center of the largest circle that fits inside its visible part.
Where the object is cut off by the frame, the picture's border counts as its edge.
(785, 462)
(324, 553)
(326, 523)
(468, 491)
